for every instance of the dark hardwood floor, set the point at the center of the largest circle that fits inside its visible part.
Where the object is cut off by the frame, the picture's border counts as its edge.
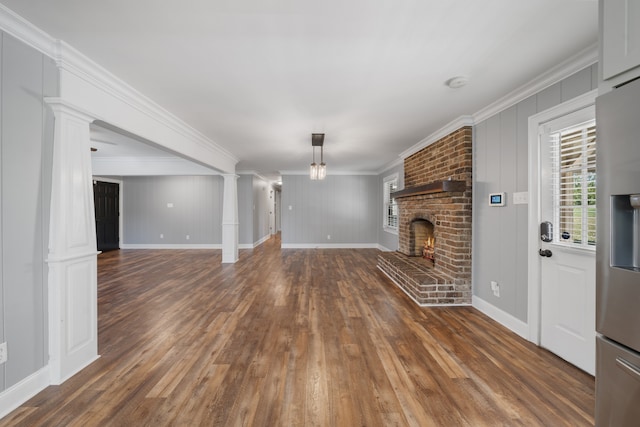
(298, 337)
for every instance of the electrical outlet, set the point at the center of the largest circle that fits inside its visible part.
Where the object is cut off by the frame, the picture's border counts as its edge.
(188, 237)
(495, 287)
(328, 236)
(3, 352)
(162, 236)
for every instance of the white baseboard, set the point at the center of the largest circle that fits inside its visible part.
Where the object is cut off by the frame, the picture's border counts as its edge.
(329, 246)
(254, 245)
(505, 319)
(169, 246)
(19, 393)
(383, 249)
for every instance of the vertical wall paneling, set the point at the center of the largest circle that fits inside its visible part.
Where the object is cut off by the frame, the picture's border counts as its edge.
(507, 230)
(260, 208)
(501, 164)
(2, 179)
(22, 230)
(196, 210)
(245, 209)
(345, 207)
(525, 109)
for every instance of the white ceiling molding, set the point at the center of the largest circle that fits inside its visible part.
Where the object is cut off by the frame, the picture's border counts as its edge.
(579, 61)
(72, 61)
(254, 173)
(25, 31)
(393, 164)
(439, 134)
(147, 166)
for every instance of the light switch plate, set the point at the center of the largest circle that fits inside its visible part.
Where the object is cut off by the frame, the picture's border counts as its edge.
(521, 198)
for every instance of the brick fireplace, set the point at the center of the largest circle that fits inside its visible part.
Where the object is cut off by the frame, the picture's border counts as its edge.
(435, 204)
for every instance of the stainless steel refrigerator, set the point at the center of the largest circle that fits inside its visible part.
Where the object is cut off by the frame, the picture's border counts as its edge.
(618, 257)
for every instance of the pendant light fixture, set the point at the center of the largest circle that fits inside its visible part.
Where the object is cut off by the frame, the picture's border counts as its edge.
(317, 171)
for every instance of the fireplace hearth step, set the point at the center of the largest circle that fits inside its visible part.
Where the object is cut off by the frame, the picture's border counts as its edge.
(426, 286)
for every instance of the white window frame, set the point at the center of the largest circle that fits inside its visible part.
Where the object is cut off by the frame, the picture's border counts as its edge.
(386, 202)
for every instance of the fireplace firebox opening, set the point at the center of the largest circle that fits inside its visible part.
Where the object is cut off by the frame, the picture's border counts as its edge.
(422, 240)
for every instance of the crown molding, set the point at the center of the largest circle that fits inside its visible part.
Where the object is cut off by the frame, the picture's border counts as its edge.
(575, 63)
(572, 65)
(74, 62)
(254, 173)
(395, 163)
(18, 27)
(71, 60)
(439, 134)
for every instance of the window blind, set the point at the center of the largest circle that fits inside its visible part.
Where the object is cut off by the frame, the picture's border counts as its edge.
(390, 205)
(574, 184)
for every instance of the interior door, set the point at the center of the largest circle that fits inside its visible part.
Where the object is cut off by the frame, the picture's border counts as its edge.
(568, 237)
(106, 199)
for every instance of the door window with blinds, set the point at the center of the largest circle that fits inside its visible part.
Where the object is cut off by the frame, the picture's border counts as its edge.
(390, 184)
(573, 166)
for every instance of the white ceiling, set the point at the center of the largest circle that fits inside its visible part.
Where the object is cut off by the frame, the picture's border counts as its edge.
(259, 76)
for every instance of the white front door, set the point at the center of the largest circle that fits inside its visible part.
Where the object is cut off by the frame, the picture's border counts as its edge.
(567, 240)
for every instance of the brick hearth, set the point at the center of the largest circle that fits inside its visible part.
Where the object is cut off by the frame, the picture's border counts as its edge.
(423, 284)
(449, 209)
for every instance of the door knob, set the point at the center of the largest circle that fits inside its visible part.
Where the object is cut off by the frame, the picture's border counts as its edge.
(545, 253)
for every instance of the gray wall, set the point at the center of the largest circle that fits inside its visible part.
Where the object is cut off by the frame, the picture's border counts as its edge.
(501, 164)
(25, 168)
(196, 211)
(253, 209)
(386, 239)
(347, 207)
(245, 209)
(262, 198)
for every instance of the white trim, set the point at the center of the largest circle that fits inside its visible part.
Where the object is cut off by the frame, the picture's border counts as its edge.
(413, 299)
(255, 244)
(533, 273)
(19, 393)
(394, 163)
(439, 134)
(71, 62)
(390, 230)
(505, 319)
(384, 249)
(25, 31)
(329, 246)
(385, 226)
(572, 65)
(170, 246)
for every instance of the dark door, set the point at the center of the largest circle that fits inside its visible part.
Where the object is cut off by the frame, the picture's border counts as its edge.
(106, 199)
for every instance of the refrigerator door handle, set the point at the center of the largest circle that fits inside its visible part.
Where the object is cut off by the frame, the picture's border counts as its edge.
(628, 367)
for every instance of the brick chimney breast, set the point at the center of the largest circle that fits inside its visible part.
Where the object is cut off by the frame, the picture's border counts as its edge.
(448, 159)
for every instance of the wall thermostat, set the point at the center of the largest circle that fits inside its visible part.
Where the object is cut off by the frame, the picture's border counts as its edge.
(497, 199)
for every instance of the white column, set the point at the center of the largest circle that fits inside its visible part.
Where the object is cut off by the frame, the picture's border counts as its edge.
(230, 219)
(72, 258)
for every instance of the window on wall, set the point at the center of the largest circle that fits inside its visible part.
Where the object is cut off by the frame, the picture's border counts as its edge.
(574, 184)
(390, 184)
